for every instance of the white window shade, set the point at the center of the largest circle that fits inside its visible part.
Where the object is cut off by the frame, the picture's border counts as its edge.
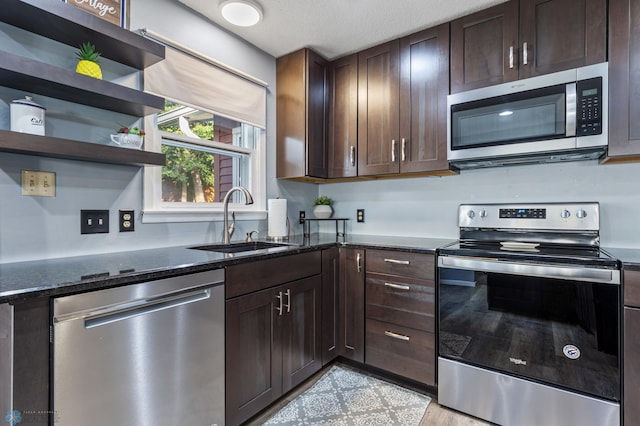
(190, 80)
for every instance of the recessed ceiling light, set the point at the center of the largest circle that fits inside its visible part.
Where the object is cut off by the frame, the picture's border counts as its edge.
(243, 13)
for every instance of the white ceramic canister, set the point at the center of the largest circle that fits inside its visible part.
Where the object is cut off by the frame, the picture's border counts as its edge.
(27, 116)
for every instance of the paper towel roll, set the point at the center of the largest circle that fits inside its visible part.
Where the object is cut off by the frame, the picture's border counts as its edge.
(277, 218)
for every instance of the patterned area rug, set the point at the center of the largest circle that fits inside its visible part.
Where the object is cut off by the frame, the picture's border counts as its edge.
(343, 397)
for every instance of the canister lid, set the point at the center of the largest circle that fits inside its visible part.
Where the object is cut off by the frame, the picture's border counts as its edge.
(27, 101)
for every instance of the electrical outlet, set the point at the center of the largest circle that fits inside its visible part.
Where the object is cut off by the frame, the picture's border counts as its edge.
(94, 221)
(302, 216)
(126, 220)
(360, 215)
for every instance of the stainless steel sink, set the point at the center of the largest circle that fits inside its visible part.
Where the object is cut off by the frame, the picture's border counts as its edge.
(240, 247)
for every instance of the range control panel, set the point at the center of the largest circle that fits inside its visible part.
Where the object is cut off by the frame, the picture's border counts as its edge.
(551, 216)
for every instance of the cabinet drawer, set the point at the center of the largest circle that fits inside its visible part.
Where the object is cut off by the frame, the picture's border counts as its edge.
(261, 274)
(401, 301)
(400, 350)
(418, 265)
(631, 280)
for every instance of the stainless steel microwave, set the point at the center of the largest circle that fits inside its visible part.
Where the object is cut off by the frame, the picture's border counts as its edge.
(554, 117)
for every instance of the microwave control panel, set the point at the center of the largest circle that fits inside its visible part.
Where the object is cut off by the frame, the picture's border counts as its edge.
(589, 107)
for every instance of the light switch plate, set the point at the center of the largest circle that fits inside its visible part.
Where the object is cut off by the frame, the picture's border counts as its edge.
(36, 183)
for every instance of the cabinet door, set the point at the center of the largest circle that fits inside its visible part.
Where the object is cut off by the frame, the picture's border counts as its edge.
(317, 114)
(352, 304)
(631, 366)
(561, 34)
(253, 355)
(484, 48)
(330, 300)
(301, 115)
(624, 81)
(378, 111)
(301, 333)
(424, 82)
(343, 117)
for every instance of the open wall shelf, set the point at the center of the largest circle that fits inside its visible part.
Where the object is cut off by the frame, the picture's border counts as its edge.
(45, 146)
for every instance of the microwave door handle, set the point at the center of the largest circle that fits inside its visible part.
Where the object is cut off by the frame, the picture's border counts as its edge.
(571, 108)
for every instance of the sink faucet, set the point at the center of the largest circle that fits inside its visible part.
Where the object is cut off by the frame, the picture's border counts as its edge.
(226, 235)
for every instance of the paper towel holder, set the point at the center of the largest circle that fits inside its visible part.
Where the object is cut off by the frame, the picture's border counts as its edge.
(281, 239)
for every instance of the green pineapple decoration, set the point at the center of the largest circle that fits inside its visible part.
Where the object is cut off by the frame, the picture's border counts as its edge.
(88, 61)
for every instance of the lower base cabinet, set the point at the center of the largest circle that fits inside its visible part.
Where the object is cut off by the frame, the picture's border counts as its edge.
(273, 340)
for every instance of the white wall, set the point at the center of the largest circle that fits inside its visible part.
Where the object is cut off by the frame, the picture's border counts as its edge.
(427, 207)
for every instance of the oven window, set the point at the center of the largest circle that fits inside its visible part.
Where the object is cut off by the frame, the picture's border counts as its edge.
(528, 116)
(559, 332)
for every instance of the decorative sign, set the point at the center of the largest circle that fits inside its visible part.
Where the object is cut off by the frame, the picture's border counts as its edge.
(114, 11)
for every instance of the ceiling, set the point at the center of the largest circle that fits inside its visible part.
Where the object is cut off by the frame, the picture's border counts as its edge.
(334, 28)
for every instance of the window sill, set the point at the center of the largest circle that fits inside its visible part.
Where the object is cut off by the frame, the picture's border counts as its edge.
(169, 216)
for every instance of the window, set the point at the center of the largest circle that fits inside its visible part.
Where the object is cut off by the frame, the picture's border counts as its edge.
(212, 134)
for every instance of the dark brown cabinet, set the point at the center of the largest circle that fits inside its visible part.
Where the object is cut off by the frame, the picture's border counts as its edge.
(351, 304)
(520, 39)
(402, 95)
(343, 117)
(631, 353)
(400, 314)
(624, 85)
(273, 335)
(302, 101)
(330, 304)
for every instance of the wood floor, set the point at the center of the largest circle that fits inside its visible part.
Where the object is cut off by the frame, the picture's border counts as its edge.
(436, 415)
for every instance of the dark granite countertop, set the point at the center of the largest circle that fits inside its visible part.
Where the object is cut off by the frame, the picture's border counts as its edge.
(54, 277)
(627, 256)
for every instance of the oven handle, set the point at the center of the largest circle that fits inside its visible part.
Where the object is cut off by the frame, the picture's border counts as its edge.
(575, 273)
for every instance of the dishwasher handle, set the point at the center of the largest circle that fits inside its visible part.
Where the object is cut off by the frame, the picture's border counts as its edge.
(129, 310)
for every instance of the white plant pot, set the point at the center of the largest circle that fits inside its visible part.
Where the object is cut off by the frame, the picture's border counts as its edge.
(322, 212)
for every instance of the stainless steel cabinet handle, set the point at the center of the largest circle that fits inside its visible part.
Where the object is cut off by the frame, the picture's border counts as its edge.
(511, 57)
(288, 305)
(279, 308)
(396, 335)
(352, 155)
(358, 256)
(130, 310)
(397, 286)
(524, 53)
(393, 150)
(403, 154)
(397, 262)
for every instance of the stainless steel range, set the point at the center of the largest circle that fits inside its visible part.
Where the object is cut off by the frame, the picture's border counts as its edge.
(529, 316)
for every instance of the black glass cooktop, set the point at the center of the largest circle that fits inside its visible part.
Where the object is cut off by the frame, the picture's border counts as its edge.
(556, 254)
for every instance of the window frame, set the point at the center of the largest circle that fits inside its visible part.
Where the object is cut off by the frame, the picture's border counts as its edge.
(157, 211)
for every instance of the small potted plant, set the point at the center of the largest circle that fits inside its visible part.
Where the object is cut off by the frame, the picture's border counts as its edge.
(88, 63)
(322, 209)
(129, 137)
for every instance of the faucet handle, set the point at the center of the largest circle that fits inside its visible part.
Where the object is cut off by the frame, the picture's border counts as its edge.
(250, 236)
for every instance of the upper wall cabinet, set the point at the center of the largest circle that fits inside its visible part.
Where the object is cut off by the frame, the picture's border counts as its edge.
(516, 40)
(624, 80)
(343, 117)
(302, 90)
(402, 96)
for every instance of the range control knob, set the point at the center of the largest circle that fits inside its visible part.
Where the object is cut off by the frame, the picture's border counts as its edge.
(483, 213)
(581, 214)
(471, 214)
(565, 214)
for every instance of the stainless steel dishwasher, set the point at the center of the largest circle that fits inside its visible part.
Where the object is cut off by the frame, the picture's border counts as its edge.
(144, 354)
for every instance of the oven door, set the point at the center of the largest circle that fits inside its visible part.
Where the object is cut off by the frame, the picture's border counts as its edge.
(555, 325)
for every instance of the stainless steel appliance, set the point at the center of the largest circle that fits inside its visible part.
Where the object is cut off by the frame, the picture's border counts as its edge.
(554, 117)
(145, 354)
(529, 316)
